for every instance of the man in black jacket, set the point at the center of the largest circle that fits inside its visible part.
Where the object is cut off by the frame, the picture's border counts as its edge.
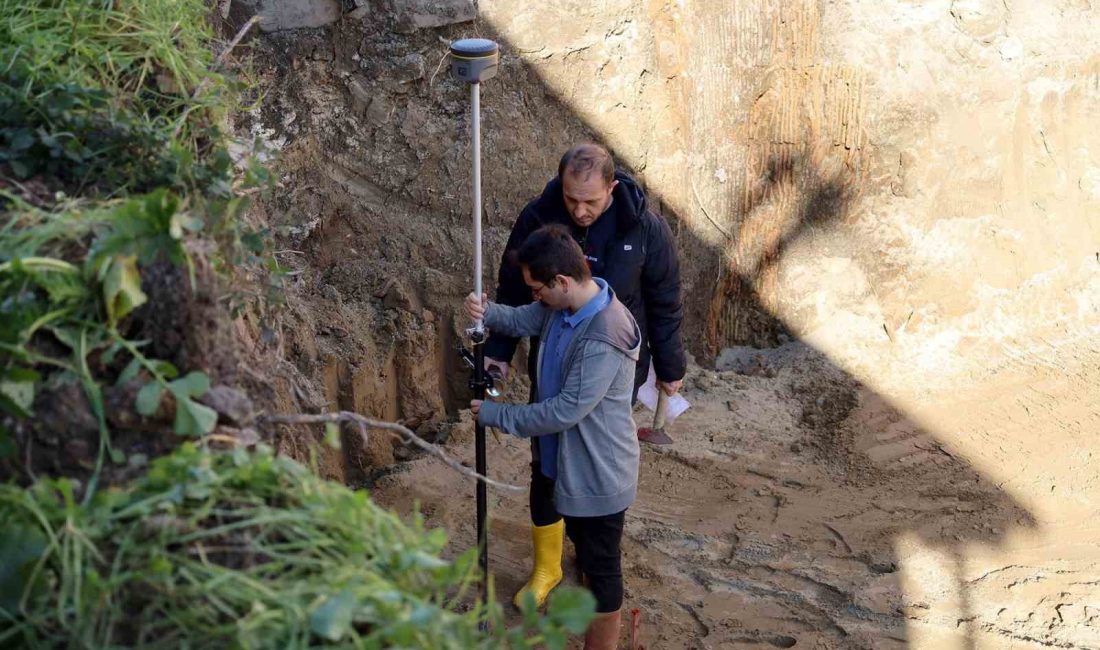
(631, 248)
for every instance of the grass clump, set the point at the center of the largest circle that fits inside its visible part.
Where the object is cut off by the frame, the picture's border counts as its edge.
(103, 97)
(240, 550)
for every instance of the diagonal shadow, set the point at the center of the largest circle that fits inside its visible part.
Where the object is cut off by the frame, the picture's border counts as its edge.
(824, 568)
(959, 505)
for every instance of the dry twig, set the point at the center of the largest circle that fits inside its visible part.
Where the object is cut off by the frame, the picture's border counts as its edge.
(228, 48)
(364, 423)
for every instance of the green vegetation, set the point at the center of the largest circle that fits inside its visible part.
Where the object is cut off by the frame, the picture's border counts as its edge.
(114, 162)
(240, 550)
(112, 157)
(104, 97)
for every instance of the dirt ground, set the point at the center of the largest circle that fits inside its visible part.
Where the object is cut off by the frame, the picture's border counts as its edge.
(798, 508)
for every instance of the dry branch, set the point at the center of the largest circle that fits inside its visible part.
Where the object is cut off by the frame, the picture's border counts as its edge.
(364, 423)
(228, 48)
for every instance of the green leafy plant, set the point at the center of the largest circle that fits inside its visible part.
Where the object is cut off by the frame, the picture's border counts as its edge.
(119, 104)
(45, 301)
(112, 161)
(242, 550)
(76, 138)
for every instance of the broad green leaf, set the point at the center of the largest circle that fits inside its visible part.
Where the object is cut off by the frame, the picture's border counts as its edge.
(20, 547)
(529, 608)
(332, 619)
(21, 374)
(165, 368)
(17, 385)
(122, 288)
(22, 139)
(101, 265)
(554, 639)
(193, 418)
(70, 337)
(573, 609)
(194, 384)
(11, 407)
(148, 398)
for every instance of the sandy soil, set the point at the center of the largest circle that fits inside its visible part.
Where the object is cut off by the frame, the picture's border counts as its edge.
(798, 508)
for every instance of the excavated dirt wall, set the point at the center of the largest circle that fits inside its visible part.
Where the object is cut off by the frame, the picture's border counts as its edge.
(888, 218)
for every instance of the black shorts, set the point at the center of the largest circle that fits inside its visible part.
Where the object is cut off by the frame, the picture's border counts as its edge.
(598, 541)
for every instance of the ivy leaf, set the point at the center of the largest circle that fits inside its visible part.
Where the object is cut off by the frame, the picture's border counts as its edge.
(332, 619)
(193, 418)
(122, 288)
(194, 384)
(148, 398)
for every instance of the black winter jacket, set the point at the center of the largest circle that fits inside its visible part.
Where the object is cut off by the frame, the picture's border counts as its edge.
(637, 258)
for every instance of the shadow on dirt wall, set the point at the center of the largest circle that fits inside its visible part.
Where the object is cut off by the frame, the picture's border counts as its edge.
(987, 514)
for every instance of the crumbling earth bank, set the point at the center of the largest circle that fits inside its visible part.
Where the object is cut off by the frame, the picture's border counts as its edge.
(374, 210)
(893, 201)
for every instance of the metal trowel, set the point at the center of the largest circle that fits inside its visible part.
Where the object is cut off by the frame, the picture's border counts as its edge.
(656, 435)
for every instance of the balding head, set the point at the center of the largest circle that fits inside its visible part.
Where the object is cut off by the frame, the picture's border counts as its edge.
(587, 175)
(585, 160)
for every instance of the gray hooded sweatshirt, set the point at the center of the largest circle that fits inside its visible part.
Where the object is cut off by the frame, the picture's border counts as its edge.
(598, 446)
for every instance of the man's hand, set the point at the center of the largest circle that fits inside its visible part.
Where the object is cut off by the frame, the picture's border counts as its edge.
(670, 388)
(475, 407)
(475, 309)
(497, 366)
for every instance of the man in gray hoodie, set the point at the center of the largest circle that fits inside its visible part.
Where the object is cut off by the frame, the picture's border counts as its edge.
(588, 445)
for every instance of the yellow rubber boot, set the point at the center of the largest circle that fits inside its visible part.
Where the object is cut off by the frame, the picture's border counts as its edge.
(547, 571)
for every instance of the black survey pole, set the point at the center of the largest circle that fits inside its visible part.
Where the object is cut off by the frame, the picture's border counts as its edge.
(474, 60)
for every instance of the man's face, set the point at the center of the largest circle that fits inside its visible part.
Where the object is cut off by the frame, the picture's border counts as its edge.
(549, 293)
(586, 199)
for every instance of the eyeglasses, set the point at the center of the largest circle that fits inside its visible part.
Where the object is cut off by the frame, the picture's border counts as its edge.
(536, 292)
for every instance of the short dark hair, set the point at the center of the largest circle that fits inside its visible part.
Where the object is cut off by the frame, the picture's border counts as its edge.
(584, 159)
(551, 251)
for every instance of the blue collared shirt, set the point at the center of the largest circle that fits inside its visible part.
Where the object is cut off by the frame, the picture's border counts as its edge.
(563, 326)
